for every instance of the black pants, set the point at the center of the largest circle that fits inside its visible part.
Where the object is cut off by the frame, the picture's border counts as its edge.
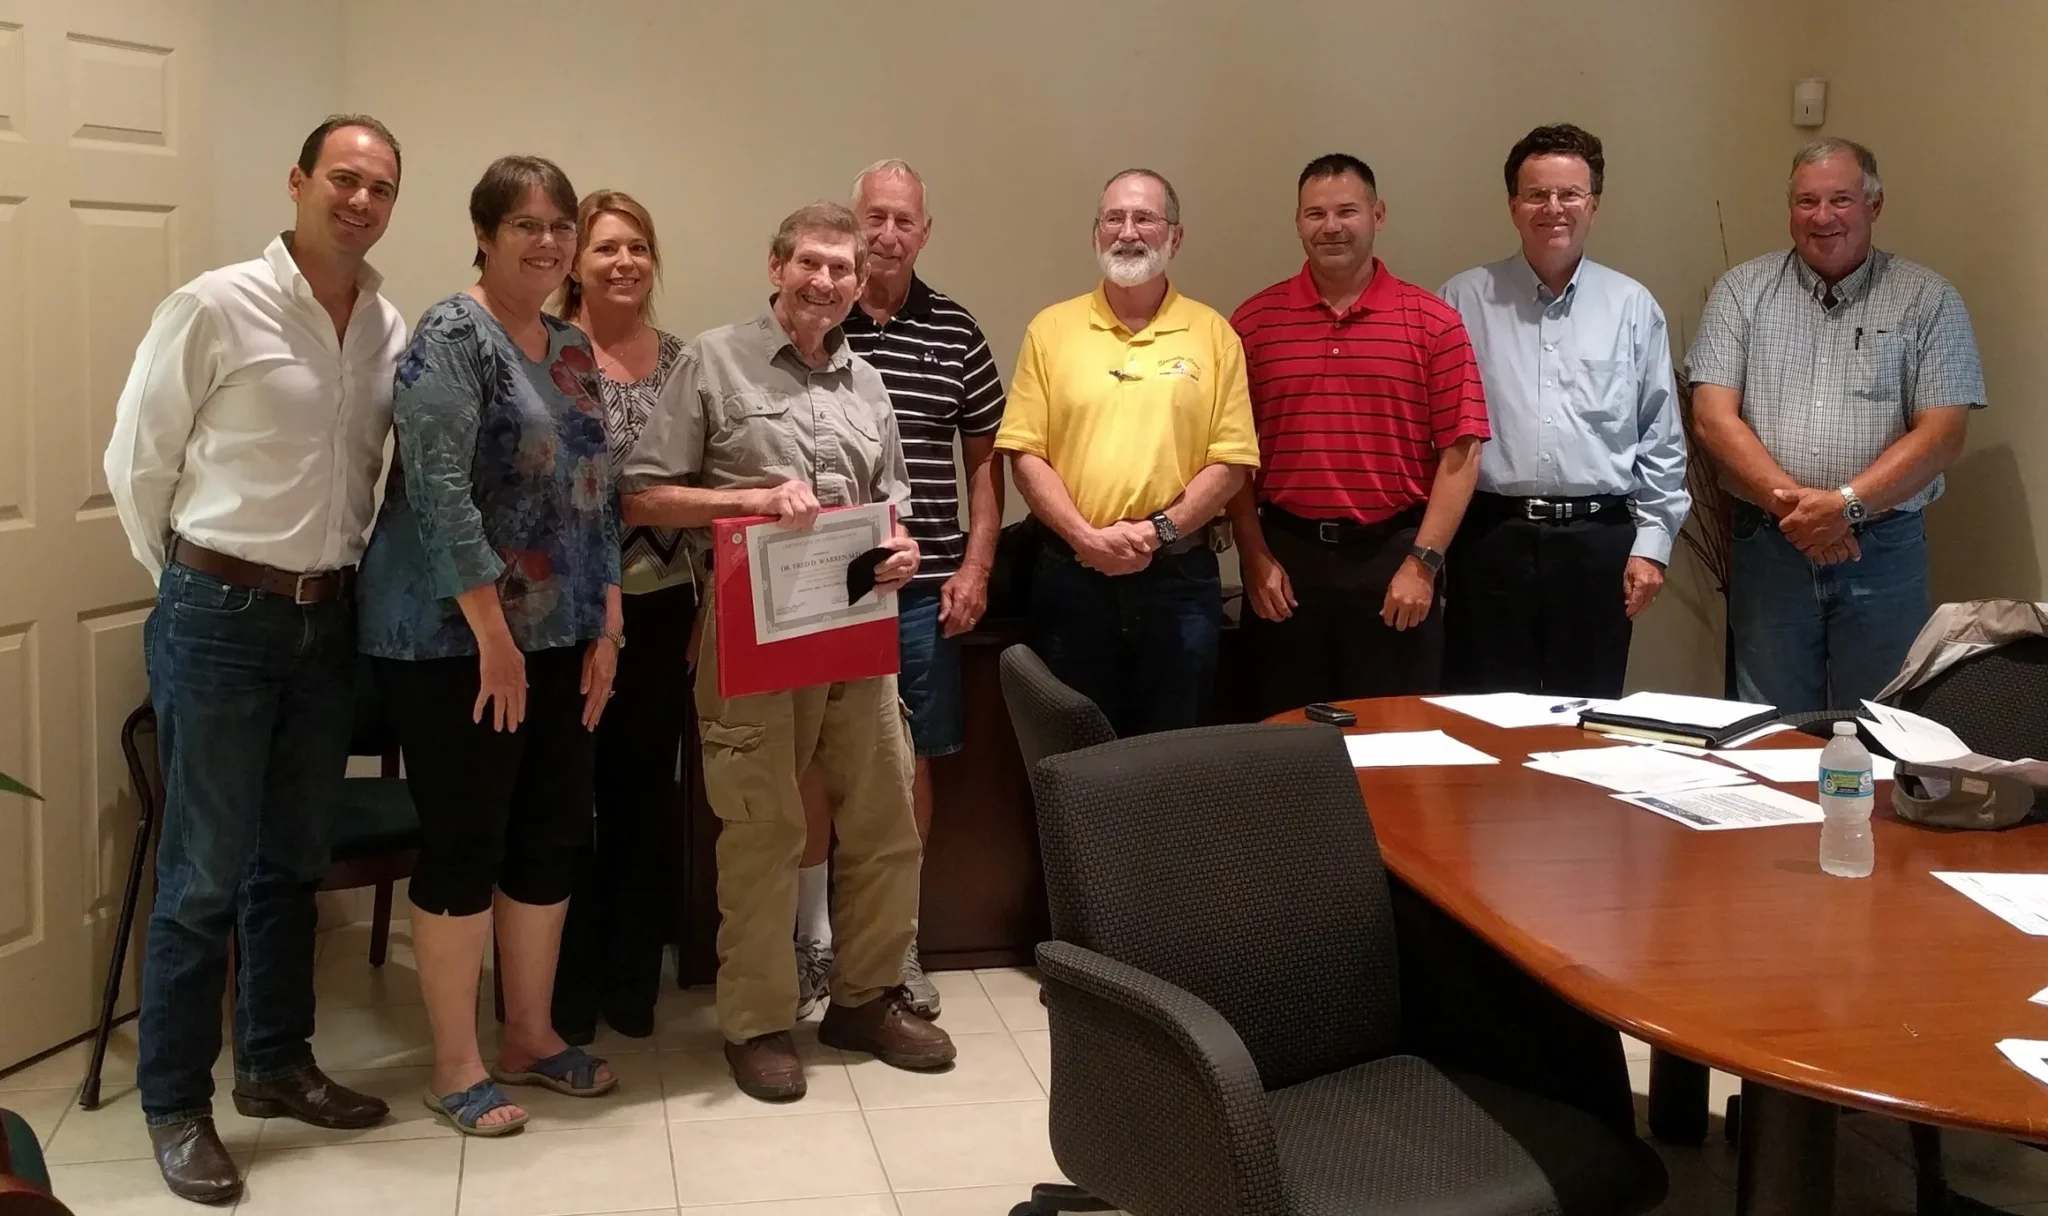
(499, 810)
(617, 926)
(1335, 646)
(1141, 646)
(1537, 606)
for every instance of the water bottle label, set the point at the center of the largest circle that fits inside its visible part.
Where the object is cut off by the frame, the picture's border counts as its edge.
(1845, 783)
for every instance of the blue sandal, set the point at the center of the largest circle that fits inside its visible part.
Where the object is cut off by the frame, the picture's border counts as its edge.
(571, 1071)
(463, 1110)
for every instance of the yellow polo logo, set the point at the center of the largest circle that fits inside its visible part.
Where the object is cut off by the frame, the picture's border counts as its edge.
(1180, 366)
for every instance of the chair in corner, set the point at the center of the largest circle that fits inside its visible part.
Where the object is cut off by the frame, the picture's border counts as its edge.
(376, 842)
(24, 1179)
(1226, 1004)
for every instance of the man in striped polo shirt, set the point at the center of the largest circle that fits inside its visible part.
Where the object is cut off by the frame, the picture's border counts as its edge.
(942, 382)
(1370, 416)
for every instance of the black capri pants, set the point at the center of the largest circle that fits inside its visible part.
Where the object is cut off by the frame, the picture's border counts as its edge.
(508, 810)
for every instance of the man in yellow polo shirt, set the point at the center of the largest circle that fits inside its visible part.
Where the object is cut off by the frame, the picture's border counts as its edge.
(1129, 427)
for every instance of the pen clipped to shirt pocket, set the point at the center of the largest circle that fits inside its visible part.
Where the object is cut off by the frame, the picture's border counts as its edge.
(1877, 365)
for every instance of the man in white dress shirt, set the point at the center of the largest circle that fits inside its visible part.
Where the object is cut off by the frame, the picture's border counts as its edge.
(244, 463)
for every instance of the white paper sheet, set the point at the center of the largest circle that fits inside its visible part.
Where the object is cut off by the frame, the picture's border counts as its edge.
(1686, 711)
(1773, 728)
(2020, 900)
(1411, 749)
(799, 578)
(1511, 710)
(1633, 770)
(1796, 764)
(2030, 1056)
(1910, 737)
(2040, 998)
(1721, 810)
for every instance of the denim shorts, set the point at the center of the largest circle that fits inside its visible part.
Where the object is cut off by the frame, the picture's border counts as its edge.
(930, 680)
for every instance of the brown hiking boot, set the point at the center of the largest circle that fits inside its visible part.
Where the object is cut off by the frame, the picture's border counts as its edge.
(766, 1067)
(889, 1030)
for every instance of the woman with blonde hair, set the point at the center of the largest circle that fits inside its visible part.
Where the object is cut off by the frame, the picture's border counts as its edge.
(612, 945)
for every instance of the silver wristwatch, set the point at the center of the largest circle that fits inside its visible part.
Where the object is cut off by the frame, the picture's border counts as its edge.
(1852, 506)
(1168, 533)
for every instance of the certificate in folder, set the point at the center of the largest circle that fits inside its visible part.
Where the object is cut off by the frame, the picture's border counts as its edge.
(784, 620)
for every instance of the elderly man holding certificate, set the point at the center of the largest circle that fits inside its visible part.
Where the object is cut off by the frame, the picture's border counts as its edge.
(776, 417)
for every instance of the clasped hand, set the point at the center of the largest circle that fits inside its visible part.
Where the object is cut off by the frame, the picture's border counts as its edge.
(1814, 522)
(1125, 547)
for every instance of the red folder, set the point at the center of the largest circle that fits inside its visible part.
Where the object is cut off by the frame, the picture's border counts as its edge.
(746, 666)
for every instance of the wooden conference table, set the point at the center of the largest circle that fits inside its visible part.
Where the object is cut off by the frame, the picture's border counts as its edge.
(1732, 948)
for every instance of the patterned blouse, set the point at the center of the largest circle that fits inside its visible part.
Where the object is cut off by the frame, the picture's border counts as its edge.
(653, 557)
(501, 475)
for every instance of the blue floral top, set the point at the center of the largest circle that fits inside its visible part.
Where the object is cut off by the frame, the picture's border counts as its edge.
(500, 475)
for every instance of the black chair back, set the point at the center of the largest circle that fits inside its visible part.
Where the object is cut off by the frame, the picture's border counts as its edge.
(1997, 701)
(1238, 863)
(1048, 716)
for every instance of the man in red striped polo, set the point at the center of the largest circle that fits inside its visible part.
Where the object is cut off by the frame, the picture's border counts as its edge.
(1370, 415)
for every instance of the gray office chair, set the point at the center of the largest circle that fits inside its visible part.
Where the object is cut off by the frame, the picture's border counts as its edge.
(1226, 1004)
(1048, 716)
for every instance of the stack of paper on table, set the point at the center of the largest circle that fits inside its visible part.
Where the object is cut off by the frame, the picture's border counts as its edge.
(2021, 900)
(1795, 764)
(1411, 749)
(1634, 770)
(1511, 710)
(1720, 810)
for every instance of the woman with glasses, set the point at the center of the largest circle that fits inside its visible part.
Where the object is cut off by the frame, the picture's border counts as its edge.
(490, 606)
(611, 947)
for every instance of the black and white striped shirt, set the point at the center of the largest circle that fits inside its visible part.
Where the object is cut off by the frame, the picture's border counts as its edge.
(941, 381)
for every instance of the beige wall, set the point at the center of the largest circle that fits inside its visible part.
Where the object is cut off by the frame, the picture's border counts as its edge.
(1950, 98)
(724, 116)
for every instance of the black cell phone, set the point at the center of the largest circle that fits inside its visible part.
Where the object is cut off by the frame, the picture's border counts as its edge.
(1321, 712)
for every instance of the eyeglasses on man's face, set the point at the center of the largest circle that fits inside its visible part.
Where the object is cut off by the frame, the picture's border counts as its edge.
(1570, 197)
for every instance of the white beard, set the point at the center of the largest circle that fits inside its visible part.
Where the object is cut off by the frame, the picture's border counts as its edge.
(1126, 267)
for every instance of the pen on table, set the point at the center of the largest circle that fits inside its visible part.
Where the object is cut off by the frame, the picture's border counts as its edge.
(1558, 709)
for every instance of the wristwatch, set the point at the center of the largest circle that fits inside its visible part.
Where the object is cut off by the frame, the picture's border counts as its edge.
(1167, 532)
(1852, 506)
(1433, 559)
(618, 640)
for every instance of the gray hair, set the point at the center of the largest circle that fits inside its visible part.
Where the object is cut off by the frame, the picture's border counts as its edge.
(1828, 147)
(1172, 197)
(892, 167)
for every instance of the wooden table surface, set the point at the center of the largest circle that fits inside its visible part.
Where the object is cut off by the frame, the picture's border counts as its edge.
(1731, 948)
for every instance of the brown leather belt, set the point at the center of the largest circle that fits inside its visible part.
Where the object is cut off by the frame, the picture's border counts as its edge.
(314, 588)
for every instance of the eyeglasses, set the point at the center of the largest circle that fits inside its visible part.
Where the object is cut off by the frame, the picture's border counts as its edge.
(1146, 221)
(533, 229)
(1570, 198)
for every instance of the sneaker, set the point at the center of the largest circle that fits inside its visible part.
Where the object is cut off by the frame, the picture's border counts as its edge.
(813, 977)
(923, 994)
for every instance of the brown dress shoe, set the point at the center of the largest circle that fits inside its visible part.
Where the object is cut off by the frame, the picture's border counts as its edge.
(889, 1030)
(766, 1067)
(195, 1163)
(310, 1096)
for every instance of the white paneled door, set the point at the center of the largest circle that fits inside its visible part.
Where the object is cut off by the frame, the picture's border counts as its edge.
(105, 164)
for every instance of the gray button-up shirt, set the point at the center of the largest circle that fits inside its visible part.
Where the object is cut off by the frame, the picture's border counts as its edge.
(1579, 391)
(1827, 390)
(744, 411)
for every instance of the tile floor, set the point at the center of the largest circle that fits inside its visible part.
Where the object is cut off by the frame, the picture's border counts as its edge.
(677, 1138)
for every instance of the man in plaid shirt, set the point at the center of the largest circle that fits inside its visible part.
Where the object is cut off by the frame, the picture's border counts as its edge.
(1832, 385)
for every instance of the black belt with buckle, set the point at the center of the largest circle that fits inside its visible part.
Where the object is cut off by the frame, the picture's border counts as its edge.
(1556, 510)
(1339, 531)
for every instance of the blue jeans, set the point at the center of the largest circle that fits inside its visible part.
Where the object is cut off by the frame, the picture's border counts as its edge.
(930, 680)
(254, 700)
(1810, 637)
(1141, 646)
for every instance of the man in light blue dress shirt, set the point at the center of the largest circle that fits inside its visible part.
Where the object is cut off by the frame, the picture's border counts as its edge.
(1582, 491)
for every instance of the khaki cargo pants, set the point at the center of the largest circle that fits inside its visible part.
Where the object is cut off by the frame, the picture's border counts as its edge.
(755, 747)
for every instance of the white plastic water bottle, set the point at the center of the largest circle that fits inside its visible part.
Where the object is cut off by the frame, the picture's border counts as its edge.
(1846, 847)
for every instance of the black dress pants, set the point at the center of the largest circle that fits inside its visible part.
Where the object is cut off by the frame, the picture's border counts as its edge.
(1335, 646)
(618, 924)
(1536, 606)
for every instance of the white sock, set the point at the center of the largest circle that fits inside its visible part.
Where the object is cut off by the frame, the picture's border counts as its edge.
(814, 903)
